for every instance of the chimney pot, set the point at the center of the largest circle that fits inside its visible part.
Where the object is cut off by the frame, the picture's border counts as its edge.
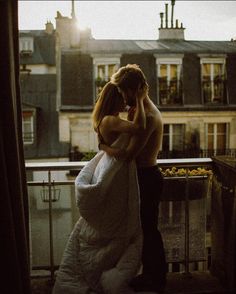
(161, 16)
(177, 24)
(166, 15)
(172, 13)
(49, 28)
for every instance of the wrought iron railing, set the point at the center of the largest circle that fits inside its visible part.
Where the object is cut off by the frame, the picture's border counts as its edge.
(50, 194)
(201, 153)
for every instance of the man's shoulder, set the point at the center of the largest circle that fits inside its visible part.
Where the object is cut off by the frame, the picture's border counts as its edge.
(153, 115)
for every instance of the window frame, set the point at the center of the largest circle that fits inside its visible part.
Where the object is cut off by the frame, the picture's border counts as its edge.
(106, 61)
(26, 45)
(169, 61)
(171, 133)
(215, 133)
(211, 61)
(32, 126)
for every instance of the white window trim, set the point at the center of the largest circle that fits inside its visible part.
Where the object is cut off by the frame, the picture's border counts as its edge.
(104, 61)
(212, 60)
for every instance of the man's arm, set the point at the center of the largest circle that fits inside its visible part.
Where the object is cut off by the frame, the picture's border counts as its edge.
(118, 153)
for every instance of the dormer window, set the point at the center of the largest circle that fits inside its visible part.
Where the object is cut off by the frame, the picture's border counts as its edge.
(28, 126)
(26, 45)
(169, 77)
(213, 80)
(104, 68)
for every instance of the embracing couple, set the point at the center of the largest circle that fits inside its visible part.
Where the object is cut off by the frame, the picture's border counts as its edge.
(115, 247)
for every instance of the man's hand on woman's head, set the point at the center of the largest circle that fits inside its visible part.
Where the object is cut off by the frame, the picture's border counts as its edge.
(142, 92)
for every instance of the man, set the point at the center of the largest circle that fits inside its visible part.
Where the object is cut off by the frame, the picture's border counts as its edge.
(144, 147)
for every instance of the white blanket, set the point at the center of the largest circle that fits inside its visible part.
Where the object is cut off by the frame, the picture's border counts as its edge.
(104, 249)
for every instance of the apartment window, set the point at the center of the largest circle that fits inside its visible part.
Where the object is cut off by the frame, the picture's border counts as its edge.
(217, 136)
(213, 80)
(104, 68)
(28, 127)
(173, 137)
(26, 45)
(169, 81)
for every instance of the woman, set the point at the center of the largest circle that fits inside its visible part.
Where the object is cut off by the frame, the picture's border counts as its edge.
(104, 250)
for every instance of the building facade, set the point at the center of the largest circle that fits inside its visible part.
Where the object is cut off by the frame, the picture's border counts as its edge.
(191, 82)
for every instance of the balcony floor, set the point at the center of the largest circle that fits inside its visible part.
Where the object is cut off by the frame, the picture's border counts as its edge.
(177, 283)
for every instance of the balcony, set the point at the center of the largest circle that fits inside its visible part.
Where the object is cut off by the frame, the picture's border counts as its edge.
(198, 227)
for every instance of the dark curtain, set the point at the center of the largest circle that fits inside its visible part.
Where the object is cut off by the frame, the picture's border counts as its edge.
(14, 243)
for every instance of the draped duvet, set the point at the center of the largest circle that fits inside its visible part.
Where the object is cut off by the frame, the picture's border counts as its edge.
(104, 249)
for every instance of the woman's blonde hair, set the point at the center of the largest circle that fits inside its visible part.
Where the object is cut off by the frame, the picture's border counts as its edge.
(129, 77)
(110, 101)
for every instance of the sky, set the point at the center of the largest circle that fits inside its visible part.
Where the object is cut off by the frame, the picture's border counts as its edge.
(137, 20)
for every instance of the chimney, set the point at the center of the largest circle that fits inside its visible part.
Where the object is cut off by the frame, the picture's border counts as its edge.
(49, 28)
(68, 31)
(173, 32)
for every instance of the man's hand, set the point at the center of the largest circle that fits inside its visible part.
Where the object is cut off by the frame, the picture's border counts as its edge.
(118, 153)
(142, 92)
(131, 113)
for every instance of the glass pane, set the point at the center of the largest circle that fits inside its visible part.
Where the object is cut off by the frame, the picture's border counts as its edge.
(101, 71)
(165, 143)
(178, 129)
(166, 129)
(218, 83)
(221, 128)
(221, 141)
(163, 70)
(218, 91)
(210, 142)
(210, 136)
(210, 128)
(173, 71)
(178, 137)
(27, 128)
(163, 90)
(173, 91)
(218, 69)
(111, 70)
(206, 69)
(206, 87)
(166, 138)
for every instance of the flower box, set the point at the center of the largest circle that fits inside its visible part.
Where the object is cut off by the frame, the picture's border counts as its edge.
(179, 187)
(175, 188)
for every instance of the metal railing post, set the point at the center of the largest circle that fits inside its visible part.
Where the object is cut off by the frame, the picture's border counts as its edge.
(186, 247)
(50, 225)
